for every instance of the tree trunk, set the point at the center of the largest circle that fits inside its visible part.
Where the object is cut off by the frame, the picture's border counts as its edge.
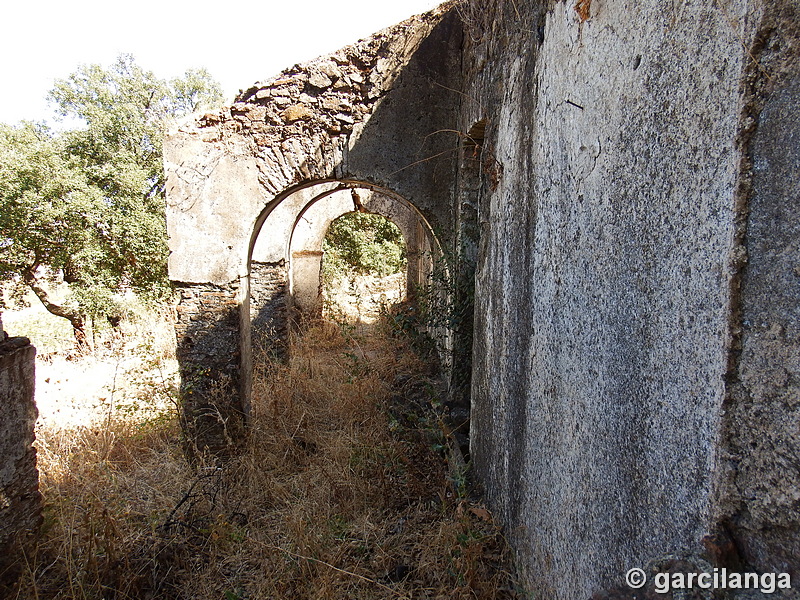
(76, 319)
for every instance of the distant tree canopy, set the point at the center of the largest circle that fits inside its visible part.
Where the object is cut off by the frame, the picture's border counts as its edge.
(87, 204)
(360, 243)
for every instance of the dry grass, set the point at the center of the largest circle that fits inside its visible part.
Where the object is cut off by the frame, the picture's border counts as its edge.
(341, 492)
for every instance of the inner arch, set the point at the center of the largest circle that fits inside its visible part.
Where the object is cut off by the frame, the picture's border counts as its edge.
(285, 254)
(305, 245)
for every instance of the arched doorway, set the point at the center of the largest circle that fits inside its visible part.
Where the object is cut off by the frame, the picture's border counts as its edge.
(363, 268)
(285, 254)
(314, 221)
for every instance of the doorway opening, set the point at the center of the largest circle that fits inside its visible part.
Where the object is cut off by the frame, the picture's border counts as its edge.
(364, 268)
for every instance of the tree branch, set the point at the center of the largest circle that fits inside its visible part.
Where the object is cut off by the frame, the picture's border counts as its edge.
(75, 318)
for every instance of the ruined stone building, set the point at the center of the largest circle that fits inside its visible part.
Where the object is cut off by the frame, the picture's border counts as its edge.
(620, 182)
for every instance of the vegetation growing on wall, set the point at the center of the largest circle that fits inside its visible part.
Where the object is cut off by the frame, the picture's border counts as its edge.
(445, 309)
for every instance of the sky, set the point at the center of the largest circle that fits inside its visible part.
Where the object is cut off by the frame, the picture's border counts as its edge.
(238, 41)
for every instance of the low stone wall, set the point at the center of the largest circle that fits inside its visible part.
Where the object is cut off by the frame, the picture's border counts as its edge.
(20, 500)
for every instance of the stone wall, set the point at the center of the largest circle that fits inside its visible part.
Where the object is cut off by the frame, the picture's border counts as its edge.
(612, 243)
(20, 501)
(306, 246)
(624, 184)
(269, 286)
(342, 118)
(208, 330)
(762, 446)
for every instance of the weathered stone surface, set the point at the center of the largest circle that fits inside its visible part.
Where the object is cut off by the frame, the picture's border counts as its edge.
(295, 112)
(319, 80)
(334, 103)
(330, 69)
(220, 177)
(269, 286)
(764, 412)
(218, 185)
(20, 501)
(608, 253)
(208, 329)
(229, 171)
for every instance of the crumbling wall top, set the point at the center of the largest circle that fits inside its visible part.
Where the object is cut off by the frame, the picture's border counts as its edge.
(340, 116)
(328, 96)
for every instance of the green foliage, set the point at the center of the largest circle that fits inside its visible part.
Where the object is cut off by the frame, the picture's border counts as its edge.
(47, 332)
(87, 204)
(46, 206)
(360, 243)
(447, 304)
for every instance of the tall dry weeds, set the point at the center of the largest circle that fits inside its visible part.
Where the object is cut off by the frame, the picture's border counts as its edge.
(340, 493)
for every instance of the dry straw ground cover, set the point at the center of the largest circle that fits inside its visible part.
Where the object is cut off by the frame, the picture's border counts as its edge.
(341, 492)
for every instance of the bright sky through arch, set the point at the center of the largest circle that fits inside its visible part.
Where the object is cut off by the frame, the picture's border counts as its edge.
(238, 42)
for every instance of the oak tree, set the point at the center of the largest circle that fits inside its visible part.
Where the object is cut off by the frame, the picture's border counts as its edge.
(87, 204)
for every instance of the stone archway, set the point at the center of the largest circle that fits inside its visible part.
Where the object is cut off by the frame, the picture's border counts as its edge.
(254, 165)
(305, 246)
(286, 250)
(218, 322)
